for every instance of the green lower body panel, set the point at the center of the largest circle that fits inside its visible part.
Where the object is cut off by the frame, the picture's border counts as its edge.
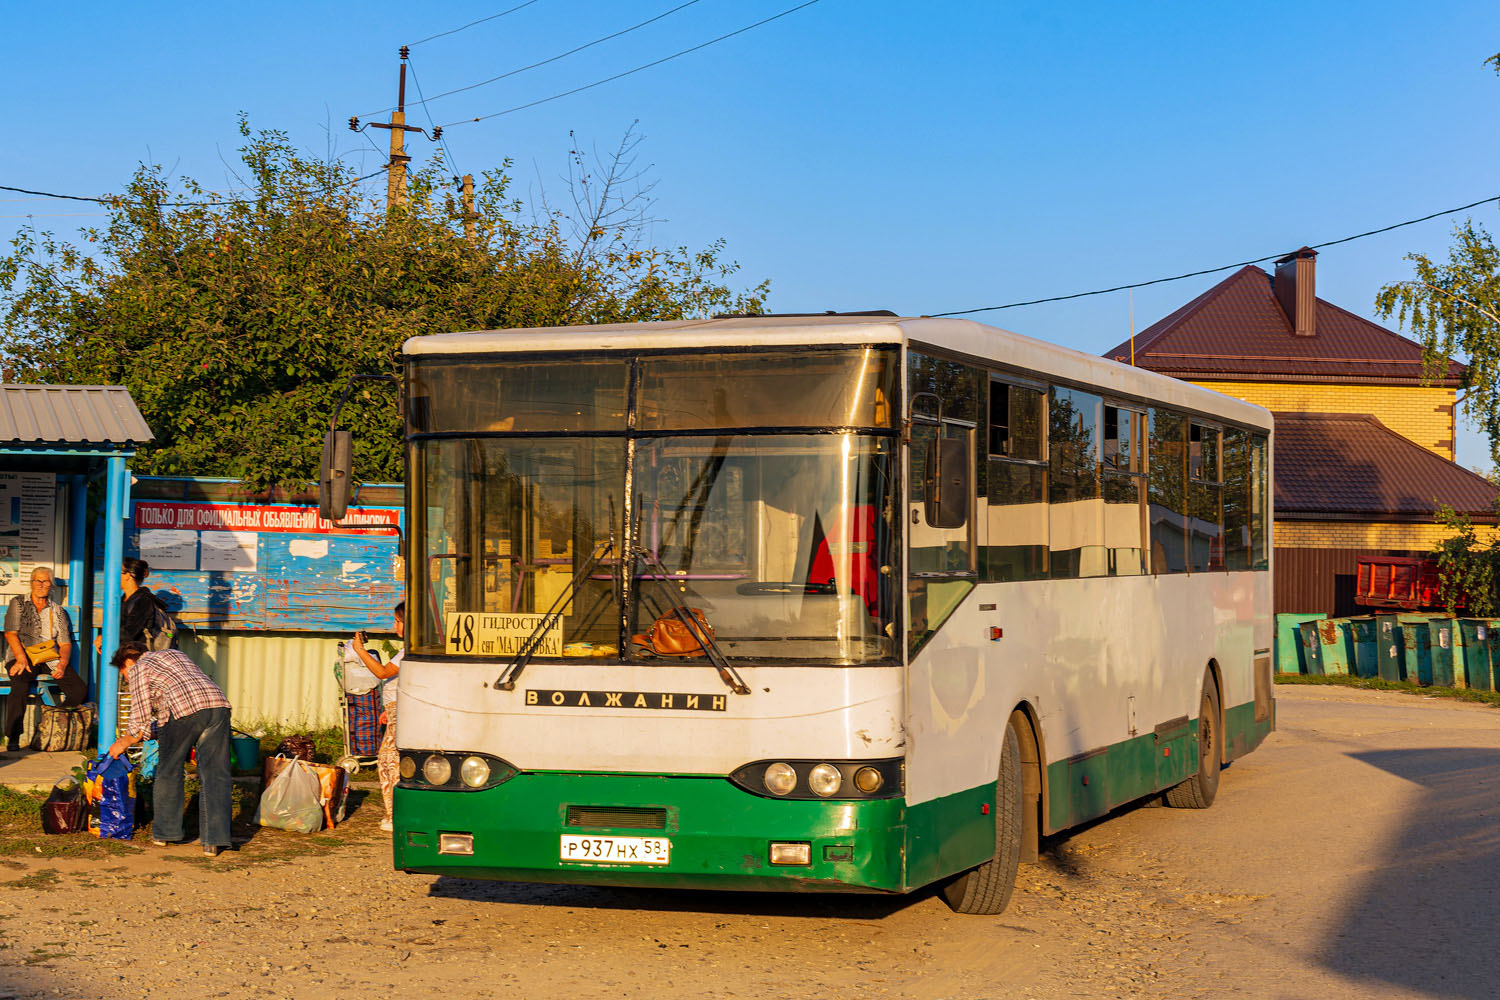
(720, 835)
(1089, 785)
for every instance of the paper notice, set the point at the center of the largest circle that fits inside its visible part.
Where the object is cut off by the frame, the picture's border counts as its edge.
(308, 548)
(229, 551)
(169, 549)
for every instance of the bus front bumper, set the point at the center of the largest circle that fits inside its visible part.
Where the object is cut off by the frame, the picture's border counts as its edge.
(720, 835)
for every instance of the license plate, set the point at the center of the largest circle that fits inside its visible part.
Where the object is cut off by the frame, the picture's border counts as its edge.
(615, 850)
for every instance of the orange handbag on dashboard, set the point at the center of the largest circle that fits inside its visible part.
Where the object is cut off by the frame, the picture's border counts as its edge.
(670, 636)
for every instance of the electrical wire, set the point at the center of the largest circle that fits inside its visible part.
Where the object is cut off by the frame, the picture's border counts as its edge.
(452, 163)
(549, 59)
(628, 72)
(176, 204)
(1213, 270)
(465, 27)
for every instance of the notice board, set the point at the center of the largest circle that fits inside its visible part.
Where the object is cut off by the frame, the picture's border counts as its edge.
(272, 567)
(28, 528)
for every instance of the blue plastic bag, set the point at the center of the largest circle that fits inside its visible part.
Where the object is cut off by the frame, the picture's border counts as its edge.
(111, 789)
(150, 754)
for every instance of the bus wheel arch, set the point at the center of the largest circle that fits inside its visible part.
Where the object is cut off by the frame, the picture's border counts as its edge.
(1198, 792)
(1033, 779)
(987, 888)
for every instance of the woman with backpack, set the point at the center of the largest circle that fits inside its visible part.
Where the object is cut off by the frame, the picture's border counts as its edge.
(139, 608)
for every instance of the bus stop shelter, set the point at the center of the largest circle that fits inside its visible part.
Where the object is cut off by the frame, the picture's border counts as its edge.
(56, 441)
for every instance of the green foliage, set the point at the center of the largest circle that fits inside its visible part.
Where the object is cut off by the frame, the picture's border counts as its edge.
(1377, 684)
(1453, 309)
(235, 326)
(1468, 569)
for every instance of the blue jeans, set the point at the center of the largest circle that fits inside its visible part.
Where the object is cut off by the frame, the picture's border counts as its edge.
(208, 730)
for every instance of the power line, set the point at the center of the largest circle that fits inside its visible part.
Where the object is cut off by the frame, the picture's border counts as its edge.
(452, 163)
(1213, 270)
(176, 204)
(550, 59)
(628, 72)
(464, 27)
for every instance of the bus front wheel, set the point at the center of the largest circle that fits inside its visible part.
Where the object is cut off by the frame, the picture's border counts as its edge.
(1198, 791)
(987, 889)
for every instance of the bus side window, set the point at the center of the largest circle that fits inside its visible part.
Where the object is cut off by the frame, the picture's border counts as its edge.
(1014, 511)
(1260, 502)
(1124, 485)
(1238, 498)
(1167, 491)
(1075, 508)
(1205, 521)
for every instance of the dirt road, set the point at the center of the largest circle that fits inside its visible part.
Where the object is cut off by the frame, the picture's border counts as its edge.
(1356, 854)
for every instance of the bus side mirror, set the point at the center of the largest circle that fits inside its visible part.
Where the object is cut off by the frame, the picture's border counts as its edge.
(335, 476)
(947, 482)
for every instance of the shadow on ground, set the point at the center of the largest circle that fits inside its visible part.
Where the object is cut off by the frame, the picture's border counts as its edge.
(1424, 920)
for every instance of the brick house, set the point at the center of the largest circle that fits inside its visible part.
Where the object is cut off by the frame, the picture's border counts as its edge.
(1364, 444)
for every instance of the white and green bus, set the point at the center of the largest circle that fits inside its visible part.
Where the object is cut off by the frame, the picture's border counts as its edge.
(845, 602)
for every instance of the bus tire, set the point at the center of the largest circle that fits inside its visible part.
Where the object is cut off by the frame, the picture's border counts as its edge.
(1198, 791)
(987, 888)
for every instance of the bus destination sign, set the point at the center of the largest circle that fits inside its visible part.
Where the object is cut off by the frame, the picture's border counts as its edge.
(484, 634)
(628, 699)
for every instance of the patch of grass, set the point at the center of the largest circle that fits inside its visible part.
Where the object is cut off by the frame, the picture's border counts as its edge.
(36, 880)
(1377, 684)
(20, 808)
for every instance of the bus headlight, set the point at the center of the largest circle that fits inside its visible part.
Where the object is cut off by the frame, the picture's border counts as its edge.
(437, 770)
(824, 780)
(868, 780)
(780, 779)
(408, 767)
(474, 771)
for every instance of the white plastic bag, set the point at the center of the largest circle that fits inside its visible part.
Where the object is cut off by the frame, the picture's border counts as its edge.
(293, 800)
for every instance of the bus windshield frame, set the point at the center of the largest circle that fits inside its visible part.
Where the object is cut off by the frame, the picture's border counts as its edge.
(704, 480)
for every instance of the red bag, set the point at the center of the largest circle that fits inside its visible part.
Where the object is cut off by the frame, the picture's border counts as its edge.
(65, 811)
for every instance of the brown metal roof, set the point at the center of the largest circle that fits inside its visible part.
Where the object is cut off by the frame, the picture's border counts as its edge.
(1351, 464)
(1237, 331)
(70, 415)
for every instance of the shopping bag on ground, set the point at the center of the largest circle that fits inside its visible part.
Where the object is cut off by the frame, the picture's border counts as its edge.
(292, 800)
(110, 789)
(64, 727)
(66, 810)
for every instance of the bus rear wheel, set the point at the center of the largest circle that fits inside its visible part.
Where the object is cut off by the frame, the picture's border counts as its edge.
(987, 889)
(1198, 791)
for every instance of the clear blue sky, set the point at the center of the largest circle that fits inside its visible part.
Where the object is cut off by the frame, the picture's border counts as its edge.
(919, 157)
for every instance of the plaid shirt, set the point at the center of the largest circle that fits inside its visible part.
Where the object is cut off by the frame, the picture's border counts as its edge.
(166, 685)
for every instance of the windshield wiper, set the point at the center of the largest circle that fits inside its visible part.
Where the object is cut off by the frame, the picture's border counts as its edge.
(705, 636)
(538, 635)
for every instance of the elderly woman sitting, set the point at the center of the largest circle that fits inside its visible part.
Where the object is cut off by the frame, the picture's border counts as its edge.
(38, 641)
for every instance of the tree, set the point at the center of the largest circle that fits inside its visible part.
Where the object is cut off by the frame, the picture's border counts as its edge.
(236, 321)
(1454, 309)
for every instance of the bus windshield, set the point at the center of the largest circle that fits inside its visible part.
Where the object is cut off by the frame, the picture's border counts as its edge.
(783, 537)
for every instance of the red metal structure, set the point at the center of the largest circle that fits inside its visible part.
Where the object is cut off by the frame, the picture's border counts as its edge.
(1399, 582)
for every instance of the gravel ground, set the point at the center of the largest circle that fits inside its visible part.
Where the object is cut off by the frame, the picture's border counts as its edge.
(1354, 855)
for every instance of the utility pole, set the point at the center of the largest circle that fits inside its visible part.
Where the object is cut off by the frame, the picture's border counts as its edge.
(395, 177)
(469, 214)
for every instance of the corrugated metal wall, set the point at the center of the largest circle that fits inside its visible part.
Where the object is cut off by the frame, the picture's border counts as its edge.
(272, 676)
(1312, 580)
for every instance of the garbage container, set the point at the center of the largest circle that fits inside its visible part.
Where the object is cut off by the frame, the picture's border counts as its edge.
(1325, 646)
(1390, 648)
(1442, 652)
(1474, 635)
(1364, 654)
(1289, 656)
(1416, 638)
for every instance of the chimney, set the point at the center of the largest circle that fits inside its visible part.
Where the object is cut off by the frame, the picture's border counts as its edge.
(1296, 289)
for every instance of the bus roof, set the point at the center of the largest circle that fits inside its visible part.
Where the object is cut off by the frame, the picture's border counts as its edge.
(984, 344)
